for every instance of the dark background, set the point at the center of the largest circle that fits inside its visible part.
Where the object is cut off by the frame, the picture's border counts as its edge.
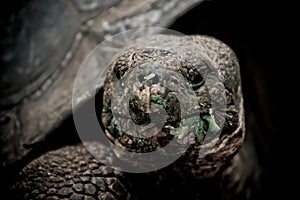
(258, 32)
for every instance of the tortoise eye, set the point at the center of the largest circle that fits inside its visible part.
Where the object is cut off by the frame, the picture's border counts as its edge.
(196, 79)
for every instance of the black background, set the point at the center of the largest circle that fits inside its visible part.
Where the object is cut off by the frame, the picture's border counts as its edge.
(259, 32)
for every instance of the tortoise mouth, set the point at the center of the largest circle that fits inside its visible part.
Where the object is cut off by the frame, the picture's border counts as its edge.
(191, 130)
(156, 119)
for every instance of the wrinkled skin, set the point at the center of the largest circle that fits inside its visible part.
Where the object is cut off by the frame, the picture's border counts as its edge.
(183, 55)
(43, 46)
(73, 172)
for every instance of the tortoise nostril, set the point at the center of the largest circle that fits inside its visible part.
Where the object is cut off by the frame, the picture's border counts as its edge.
(141, 78)
(155, 79)
(117, 73)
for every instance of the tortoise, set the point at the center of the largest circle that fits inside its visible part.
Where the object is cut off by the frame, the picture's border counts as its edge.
(71, 172)
(52, 39)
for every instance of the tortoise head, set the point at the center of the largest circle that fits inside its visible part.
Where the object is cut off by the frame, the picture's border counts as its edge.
(167, 88)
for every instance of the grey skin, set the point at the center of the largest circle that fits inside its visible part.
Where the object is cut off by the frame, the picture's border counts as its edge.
(45, 43)
(71, 172)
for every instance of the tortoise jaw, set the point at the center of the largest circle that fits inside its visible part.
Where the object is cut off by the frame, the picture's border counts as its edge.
(155, 116)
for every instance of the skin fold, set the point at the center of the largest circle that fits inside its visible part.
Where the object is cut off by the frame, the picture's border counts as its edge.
(72, 172)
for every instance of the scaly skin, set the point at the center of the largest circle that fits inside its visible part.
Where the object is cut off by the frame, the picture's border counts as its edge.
(59, 169)
(70, 172)
(181, 55)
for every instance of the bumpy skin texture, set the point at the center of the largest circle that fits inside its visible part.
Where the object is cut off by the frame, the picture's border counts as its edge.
(71, 171)
(182, 55)
(44, 45)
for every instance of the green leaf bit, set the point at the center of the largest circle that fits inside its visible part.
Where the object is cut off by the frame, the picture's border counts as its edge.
(159, 100)
(212, 123)
(202, 122)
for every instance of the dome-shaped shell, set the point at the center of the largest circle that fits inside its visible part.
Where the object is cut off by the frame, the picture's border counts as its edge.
(43, 46)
